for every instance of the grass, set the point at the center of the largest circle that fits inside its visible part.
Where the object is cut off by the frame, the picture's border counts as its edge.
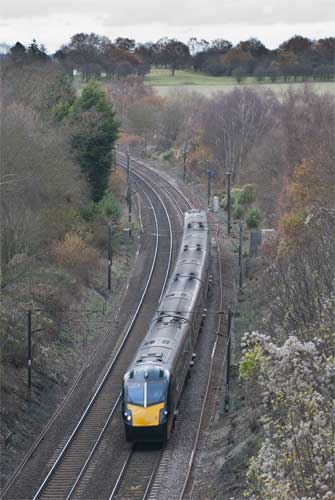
(158, 77)
(163, 82)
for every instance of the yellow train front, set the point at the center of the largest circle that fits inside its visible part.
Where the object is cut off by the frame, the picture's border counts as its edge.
(145, 404)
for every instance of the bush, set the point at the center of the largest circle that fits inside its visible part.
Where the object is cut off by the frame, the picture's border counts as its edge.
(90, 211)
(239, 74)
(109, 207)
(238, 211)
(59, 219)
(235, 196)
(168, 155)
(253, 218)
(106, 208)
(223, 201)
(74, 254)
(117, 184)
(248, 194)
(250, 362)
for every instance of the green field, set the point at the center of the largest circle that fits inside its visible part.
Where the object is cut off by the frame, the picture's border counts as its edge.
(164, 83)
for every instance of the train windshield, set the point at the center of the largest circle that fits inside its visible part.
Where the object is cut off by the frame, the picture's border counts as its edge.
(156, 392)
(135, 393)
(147, 393)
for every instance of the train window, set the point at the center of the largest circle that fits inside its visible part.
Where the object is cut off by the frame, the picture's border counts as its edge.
(148, 342)
(135, 393)
(156, 392)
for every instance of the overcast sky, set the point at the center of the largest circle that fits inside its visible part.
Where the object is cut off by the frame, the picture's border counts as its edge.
(53, 22)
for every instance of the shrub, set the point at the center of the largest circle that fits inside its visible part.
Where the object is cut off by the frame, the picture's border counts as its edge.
(117, 184)
(90, 211)
(223, 201)
(106, 208)
(110, 207)
(235, 195)
(253, 218)
(250, 362)
(239, 74)
(248, 194)
(59, 219)
(167, 155)
(238, 211)
(74, 254)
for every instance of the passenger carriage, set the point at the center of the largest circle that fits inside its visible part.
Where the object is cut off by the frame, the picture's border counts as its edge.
(155, 379)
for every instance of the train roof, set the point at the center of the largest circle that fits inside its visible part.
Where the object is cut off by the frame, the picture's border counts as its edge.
(171, 321)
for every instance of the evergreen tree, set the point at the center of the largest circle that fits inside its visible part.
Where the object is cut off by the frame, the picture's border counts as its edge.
(36, 52)
(18, 53)
(95, 130)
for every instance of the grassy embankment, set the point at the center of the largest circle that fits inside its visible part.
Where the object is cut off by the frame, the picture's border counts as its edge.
(164, 83)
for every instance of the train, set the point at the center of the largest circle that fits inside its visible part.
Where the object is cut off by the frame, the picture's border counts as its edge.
(153, 383)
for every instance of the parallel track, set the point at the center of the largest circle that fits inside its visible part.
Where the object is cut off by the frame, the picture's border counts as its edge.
(75, 455)
(149, 174)
(137, 473)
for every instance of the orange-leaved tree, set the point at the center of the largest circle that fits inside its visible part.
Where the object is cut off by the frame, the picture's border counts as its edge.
(310, 189)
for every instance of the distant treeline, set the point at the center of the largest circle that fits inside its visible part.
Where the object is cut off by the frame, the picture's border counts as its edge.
(96, 56)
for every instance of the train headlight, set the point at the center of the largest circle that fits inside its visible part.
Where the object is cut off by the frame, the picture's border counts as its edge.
(127, 415)
(163, 415)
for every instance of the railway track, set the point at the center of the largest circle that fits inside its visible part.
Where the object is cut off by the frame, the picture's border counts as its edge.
(74, 457)
(137, 167)
(137, 473)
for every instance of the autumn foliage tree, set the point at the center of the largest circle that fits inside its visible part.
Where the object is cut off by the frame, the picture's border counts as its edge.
(289, 366)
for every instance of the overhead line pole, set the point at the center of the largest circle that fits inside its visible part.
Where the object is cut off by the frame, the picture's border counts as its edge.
(229, 202)
(128, 165)
(184, 162)
(226, 401)
(209, 187)
(109, 257)
(29, 348)
(240, 249)
(129, 200)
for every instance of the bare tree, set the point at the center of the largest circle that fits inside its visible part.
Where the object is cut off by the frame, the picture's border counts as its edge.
(40, 184)
(234, 123)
